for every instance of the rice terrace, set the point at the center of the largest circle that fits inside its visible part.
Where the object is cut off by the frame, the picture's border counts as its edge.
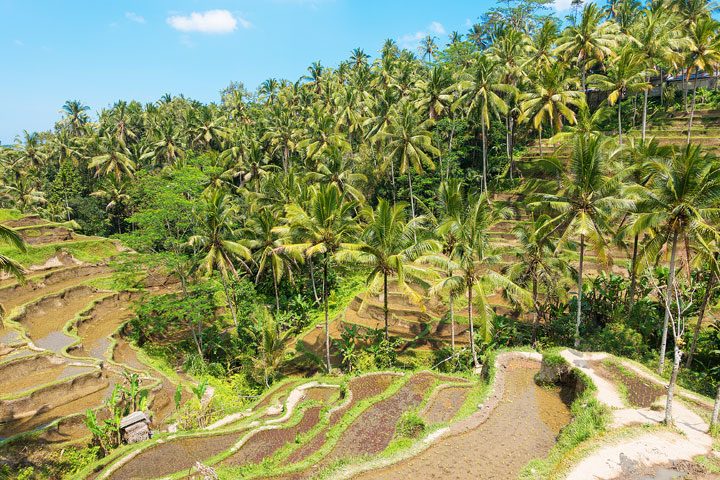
(488, 249)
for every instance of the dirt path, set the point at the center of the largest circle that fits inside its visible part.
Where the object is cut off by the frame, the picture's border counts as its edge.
(521, 427)
(649, 449)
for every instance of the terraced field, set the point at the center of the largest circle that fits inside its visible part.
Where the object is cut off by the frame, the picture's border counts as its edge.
(60, 350)
(302, 429)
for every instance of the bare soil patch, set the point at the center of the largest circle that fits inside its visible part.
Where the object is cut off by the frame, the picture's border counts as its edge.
(361, 388)
(266, 442)
(445, 404)
(174, 456)
(521, 427)
(373, 430)
(640, 392)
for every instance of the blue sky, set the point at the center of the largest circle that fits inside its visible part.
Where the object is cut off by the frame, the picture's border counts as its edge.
(99, 51)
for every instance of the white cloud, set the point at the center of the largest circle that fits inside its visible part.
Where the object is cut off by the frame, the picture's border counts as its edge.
(19, 43)
(562, 5)
(437, 28)
(412, 41)
(134, 17)
(211, 21)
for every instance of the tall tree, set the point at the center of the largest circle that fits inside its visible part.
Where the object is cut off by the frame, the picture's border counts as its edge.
(583, 204)
(323, 227)
(677, 205)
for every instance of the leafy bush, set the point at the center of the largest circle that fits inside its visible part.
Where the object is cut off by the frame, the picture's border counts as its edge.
(410, 425)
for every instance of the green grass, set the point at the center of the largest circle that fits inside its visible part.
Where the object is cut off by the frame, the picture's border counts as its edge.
(7, 214)
(90, 251)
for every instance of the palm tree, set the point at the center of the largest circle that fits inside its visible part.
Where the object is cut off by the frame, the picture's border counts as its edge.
(427, 47)
(215, 243)
(271, 342)
(704, 54)
(626, 75)
(388, 245)
(658, 42)
(324, 226)
(114, 160)
(409, 141)
(550, 100)
(590, 42)
(677, 205)
(536, 262)
(263, 229)
(338, 169)
(76, 116)
(435, 91)
(473, 257)
(583, 205)
(452, 203)
(7, 264)
(31, 150)
(481, 88)
(114, 192)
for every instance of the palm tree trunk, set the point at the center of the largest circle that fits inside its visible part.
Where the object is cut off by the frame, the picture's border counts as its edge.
(392, 180)
(644, 115)
(312, 279)
(716, 410)
(447, 164)
(452, 321)
(386, 310)
(579, 294)
(327, 314)
(633, 273)
(537, 313)
(671, 385)
(668, 301)
(692, 108)
(619, 105)
(231, 305)
(277, 295)
(701, 314)
(412, 201)
(472, 328)
(540, 140)
(662, 87)
(484, 154)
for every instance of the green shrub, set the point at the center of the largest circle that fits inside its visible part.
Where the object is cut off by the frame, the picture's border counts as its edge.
(410, 425)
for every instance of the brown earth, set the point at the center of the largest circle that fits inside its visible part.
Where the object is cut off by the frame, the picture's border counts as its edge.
(445, 404)
(521, 427)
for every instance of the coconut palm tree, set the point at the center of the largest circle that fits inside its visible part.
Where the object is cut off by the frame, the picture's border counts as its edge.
(263, 231)
(7, 264)
(658, 41)
(324, 226)
(114, 160)
(408, 141)
(215, 243)
(31, 150)
(435, 91)
(582, 206)
(626, 75)
(388, 245)
(481, 88)
(473, 257)
(590, 42)
(703, 54)
(76, 116)
(550, 100)
(537, 263)
(678, 204)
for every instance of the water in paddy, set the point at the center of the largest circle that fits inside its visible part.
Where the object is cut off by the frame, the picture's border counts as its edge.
(523, 426)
